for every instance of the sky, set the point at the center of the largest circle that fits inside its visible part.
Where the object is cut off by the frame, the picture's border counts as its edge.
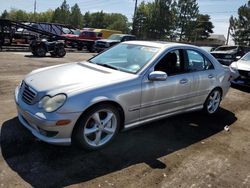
(219, 10)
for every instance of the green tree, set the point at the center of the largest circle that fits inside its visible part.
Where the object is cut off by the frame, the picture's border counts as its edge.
(202, 28)
(76, 18)
(87, 19)
(5, 15)
(62, 14)
(154, 20)
(187, 12)
(240, 26)
(45, 16)
(116, 21)
(19, 15)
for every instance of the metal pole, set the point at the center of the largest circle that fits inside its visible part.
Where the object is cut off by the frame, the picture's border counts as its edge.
(35, 10)
(133, 29)
(35, 7)
(228, 33)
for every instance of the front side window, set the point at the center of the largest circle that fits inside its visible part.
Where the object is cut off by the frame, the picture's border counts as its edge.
(172, 63)
(126, 57)
(197, 62)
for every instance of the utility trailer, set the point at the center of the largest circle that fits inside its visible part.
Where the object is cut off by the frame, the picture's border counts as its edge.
(43, 37)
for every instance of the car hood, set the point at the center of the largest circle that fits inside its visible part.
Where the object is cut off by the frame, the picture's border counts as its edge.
(241, 65)
(72, 77)
(108, 40)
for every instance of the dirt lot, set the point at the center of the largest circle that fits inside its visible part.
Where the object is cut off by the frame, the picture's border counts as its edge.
(190, 150)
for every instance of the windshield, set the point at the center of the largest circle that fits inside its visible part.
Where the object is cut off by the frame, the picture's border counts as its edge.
(77, 32)
(246, 57)
(115, 37)
(125, 57)
(226, 48)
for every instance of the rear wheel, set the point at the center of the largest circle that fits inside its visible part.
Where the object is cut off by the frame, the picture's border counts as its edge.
(211, 106)
(97, 128)
(60, 51)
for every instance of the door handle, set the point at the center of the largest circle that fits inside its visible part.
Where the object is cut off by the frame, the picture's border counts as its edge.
(183, 81)
(210, 76)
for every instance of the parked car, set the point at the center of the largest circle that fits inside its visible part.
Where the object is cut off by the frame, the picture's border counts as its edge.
(208, 48)
(241, 70)
(103, 44)
(82, 35)
(227, 54)
(130, 84)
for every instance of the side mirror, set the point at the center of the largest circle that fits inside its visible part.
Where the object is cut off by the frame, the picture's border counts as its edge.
(238, 57)
(157, 76)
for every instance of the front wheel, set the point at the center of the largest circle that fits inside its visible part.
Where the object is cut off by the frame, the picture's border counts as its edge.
(40, 51)
(211, 106)
(97, 128)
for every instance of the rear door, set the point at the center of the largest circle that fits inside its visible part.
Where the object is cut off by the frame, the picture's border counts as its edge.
(203, 72)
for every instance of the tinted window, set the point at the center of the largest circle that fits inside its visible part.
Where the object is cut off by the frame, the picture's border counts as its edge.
(197, 62)
(172, 63)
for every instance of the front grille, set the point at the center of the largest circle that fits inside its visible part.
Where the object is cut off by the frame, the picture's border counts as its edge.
(244, 73)
(28, 94)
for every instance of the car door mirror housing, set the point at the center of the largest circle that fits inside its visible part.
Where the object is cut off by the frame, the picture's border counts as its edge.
(157, 76)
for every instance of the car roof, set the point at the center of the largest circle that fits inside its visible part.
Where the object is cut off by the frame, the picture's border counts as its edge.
(157, 44)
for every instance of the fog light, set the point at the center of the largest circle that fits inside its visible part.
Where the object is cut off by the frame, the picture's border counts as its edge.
(63, 122)
(47, 133)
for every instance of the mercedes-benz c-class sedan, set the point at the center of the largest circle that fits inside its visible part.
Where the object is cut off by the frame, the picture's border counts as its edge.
(130, 84)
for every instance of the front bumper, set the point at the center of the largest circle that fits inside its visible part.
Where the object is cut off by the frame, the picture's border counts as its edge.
(241, 81)
(44, 127)
(226, 62)
(243, 77)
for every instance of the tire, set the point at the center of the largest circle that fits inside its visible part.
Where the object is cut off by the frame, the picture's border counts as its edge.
(212, 103)
(40, 51)
(91, 48)
(79, 47)
(97, 127)
(60, 51)
(34, 53)
(53, 54)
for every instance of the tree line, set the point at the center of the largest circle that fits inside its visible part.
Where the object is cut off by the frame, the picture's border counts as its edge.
(240, 25)
(171, 20)
(159, 19)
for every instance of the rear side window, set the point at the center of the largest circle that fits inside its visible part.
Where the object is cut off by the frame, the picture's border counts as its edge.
(197, 62)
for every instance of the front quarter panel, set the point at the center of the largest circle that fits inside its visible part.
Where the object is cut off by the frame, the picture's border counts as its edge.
(127, 94)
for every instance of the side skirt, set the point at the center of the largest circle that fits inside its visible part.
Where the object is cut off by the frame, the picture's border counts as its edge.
(142, 122)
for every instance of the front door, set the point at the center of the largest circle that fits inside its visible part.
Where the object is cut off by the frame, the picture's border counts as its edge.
(174, 94)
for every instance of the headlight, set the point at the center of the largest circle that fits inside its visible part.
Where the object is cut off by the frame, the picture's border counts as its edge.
(50, 104)
(107, 45)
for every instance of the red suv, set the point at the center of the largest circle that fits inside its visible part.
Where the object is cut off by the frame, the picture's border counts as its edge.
(91, 35)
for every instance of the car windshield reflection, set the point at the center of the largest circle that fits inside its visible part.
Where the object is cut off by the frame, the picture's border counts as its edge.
(126, 57)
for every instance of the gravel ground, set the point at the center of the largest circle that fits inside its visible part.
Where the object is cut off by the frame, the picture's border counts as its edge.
(189, 150)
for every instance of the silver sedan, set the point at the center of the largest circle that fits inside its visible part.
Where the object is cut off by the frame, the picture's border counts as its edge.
(133, 83)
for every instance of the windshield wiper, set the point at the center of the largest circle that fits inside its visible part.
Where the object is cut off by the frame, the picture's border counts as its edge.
(108, 66)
